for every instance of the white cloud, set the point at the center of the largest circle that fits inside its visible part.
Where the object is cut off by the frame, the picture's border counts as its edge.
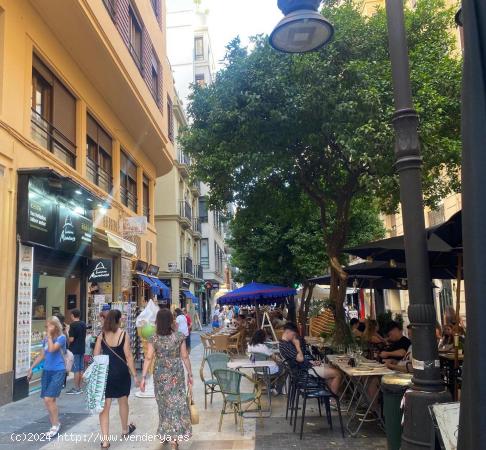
(230, 18)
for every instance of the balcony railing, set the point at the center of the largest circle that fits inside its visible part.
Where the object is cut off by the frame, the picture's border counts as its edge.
(185, 210)
(205, 262)
(186, 264)
(98, 175)
(128, 198)
(198, 271)
(47, 135)
(183, 158)
(146, 212)
(196, 224)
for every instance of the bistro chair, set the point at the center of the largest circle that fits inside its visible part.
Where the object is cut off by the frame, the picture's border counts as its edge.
(207, 344)
(234, 343)
(220, 343)
(310, 386)
(230, 384)
(215, 361)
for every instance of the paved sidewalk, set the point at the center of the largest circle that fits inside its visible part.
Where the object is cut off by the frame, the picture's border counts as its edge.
(81, 431)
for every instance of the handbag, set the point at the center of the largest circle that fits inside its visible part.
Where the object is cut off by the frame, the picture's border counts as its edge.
(68, 360)
(193, 411)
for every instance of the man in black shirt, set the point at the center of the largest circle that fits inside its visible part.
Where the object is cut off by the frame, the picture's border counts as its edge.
(398, 344)
(292, 348)
(77, 340)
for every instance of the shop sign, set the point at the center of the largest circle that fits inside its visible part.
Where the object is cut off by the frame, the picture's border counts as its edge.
(153, 270)
(185, 283)
(134, 226)
(215, 285)
(100, 271)
(172, 266)
(41, 220)
(75, 232)
(141, 266)
(24, 310)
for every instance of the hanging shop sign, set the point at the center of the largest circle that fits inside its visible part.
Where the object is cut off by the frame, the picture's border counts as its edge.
(24, 310)
(134, 226)
(153, 270)
(141, 266)
(99, 270)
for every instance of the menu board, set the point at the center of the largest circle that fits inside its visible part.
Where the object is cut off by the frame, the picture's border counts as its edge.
(75, 232)
(24, 310)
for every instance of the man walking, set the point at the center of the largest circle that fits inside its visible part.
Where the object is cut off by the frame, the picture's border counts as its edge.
(189, 328)
(77, 341)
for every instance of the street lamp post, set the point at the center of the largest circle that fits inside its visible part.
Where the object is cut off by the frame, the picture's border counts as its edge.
(428, 387)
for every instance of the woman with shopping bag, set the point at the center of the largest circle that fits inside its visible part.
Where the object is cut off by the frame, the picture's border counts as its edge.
(115, 343)
(168, 347)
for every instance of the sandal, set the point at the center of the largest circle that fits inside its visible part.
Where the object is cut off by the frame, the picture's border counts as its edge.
(131, 429)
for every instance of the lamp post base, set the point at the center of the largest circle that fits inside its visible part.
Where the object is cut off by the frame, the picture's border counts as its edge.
(419, 431)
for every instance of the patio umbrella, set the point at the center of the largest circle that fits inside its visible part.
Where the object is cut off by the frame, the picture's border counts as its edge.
(259, 292)
(472, 424)
(364, 282)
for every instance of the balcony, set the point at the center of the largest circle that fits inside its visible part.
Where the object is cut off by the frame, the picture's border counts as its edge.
(205, 262)
(186, 265)
(128, 199)
(185, 214)
(196, 188)
(198, 272)
(196, 227)
(99, 176)
(183, 163)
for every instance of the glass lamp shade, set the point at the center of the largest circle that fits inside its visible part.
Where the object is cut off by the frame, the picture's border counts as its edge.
(301, 31)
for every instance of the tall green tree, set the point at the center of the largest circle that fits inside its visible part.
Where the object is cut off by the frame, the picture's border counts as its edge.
(321, 120)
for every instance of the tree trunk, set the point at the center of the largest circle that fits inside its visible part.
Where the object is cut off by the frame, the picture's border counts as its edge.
(306, 310)
(305, 288)
(338, 295)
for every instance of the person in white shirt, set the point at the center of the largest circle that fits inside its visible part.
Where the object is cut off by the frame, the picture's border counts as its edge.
(257, 345)
(182, 326)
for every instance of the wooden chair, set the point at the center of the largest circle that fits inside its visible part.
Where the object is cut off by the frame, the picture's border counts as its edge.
(207, 344)
(220, 343)
(234, 343)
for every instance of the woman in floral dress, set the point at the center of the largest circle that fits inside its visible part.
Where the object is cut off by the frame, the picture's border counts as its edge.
(168, 347)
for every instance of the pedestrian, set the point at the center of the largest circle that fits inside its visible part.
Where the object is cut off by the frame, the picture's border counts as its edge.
(189, 326)
(65, 331)
(183, 326)
(215, 320)
(168, 347)
(230, 314)
(53, 349)
(77, 342)
(115, 343)
(221, 316)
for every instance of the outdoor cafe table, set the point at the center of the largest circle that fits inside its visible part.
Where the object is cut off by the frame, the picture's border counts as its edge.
(358, 379)
(239, 364)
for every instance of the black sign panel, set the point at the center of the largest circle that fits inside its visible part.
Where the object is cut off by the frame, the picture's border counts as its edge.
(141, 266)
(40, 218)
(100, 271)
(153, 270)
(74, 232)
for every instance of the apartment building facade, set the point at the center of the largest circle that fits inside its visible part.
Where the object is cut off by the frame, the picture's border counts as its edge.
(85, 134)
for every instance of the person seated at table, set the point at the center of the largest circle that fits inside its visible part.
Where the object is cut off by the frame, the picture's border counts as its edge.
(279, 321)
(398, 344)
(257, 345)
(215, 320)
(241, 322)
(292, 349)
(446, 344)
(405, 364)
(357, 327)
(371, 335)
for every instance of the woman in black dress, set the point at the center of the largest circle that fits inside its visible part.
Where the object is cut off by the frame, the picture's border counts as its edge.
(115, 343)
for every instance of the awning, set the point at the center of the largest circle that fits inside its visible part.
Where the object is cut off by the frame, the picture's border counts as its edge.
(115, 241)
(164, 290)
(154, 287)
(190, 295)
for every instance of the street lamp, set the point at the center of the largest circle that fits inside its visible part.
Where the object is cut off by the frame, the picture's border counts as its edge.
(302, 29)
(428, 387)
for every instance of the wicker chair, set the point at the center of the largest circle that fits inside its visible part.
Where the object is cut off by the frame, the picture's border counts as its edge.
(220, 343)
(215, 361)
(229, 382)
(234, 343)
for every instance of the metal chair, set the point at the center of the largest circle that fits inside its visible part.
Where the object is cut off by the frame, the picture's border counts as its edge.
(229, 382)
(215, 361)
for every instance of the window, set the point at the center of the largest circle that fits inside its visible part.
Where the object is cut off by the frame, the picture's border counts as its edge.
(135, 38)
(146, 197)
(203, 209)
(200, 79)
(198, 48)
(53, 121)
(98, 160)
(110, 7)
(154, 81)
(170, 119)
(205, 253)
(128, 182)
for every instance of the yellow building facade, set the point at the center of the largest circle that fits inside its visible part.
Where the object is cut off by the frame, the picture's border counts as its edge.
(85, 130)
